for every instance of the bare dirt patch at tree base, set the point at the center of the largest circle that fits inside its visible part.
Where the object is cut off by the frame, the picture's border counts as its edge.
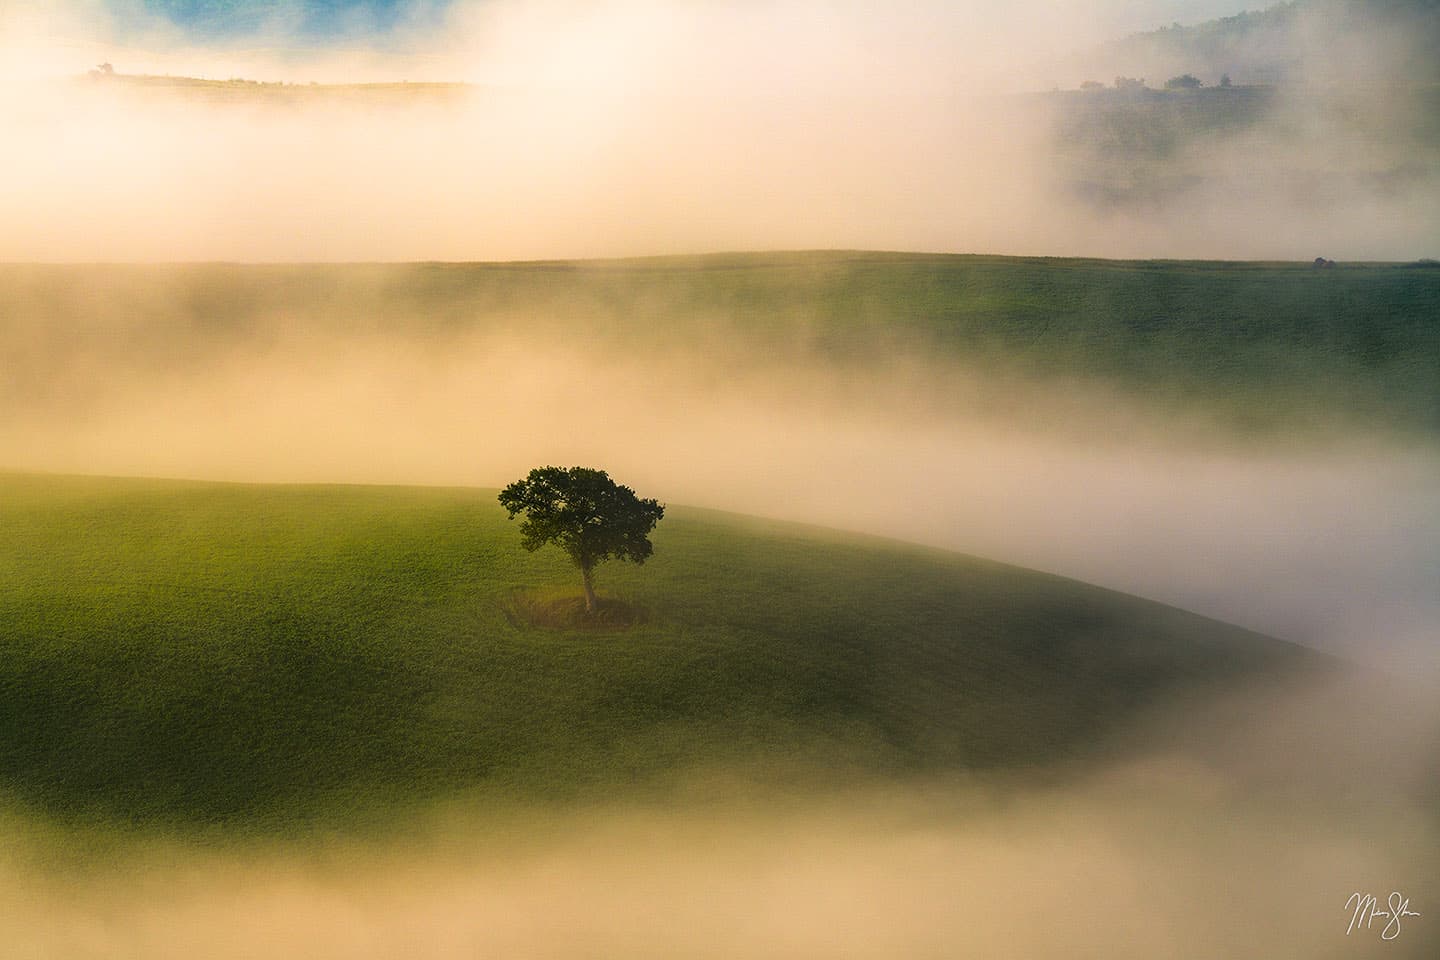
(561, 611)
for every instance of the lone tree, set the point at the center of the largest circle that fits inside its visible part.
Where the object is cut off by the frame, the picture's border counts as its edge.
(585, 513)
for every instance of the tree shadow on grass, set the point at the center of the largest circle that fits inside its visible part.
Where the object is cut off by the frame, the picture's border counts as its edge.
(553, 610)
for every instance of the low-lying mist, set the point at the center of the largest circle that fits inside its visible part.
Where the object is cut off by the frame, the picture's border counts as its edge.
(1332, 541)
(1234, 829)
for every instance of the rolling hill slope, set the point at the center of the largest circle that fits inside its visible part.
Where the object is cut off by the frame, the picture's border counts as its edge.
(177, 654)
(1271, 348)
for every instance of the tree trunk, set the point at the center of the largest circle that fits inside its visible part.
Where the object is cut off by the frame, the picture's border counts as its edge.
(590, 602)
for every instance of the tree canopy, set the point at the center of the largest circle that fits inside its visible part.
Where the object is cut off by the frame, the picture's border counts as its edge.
(1184, 82)
(586, 514)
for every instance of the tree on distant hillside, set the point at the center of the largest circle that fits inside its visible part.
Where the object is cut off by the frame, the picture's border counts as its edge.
(1183, 82)
(1129, 83)
(1224, 79)
(585, 513)
(1092, 85)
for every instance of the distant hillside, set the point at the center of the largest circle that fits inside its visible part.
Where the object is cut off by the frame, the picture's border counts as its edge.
(237, 90)
(1251, 48)
(1271, 348)
(1299, 41)
(1330, 101)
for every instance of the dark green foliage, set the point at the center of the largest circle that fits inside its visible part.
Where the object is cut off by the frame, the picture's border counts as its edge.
(191, 655)
(586, 514)
(1184, 82)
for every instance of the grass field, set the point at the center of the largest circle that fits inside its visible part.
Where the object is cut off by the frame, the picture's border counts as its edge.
(186, 656)
(1267, 350)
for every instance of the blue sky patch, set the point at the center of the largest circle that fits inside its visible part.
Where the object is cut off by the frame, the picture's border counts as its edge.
(316, 20)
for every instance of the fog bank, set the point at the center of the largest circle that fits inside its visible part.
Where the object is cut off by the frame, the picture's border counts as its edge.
(1334, 542)
(641, 127)
(1234, 829)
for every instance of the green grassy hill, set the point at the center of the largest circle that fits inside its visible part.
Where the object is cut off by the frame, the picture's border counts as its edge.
(1271, 349)
(184, 655)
